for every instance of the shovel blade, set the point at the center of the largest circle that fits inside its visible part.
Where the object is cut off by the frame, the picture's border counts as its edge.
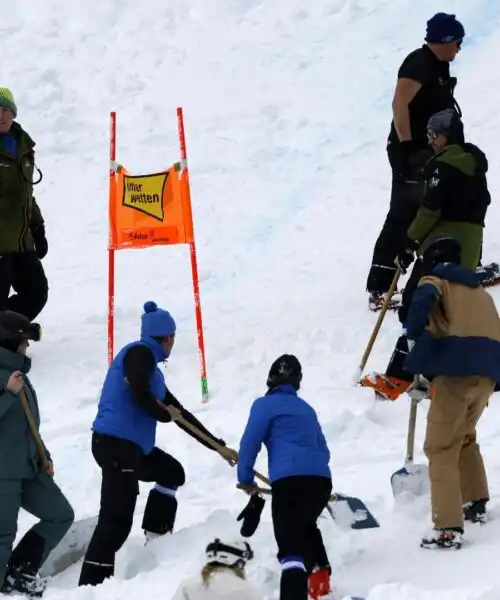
(351, 513)
(411, 480)
(71, 548)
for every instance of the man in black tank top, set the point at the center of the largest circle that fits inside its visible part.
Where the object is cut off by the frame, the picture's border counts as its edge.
(424, 87)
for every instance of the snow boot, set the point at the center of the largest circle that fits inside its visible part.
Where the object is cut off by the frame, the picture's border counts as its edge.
(159, 514)
(23, 581)
(376, 301)
(318, 586)
(443, 539)
(475, 512)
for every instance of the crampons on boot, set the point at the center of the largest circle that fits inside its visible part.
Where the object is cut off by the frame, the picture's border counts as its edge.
(376, 301)
(443, 539)
(385, 386)
(475, 512)
(318, 586)
(24, 582)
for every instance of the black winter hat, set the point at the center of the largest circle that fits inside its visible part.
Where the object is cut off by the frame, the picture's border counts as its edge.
(443, 249)
(285, 370)
(14, 328)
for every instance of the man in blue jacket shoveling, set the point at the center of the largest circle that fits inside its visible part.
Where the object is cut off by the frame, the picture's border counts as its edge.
(299, 474)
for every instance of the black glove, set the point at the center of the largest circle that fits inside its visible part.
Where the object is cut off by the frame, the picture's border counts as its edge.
(250, 515)
(41, 245)
(408, 160)
(404, 258)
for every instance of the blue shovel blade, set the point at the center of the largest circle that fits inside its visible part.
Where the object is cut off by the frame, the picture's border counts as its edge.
(350, 512)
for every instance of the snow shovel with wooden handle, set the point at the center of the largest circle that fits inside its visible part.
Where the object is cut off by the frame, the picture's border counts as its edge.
(74, 544)
(376, 329)
(412, 479)
(349, 512)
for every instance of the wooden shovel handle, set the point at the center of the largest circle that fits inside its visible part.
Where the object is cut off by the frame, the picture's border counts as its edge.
(34, 431)
(378, 324)
(203, 436)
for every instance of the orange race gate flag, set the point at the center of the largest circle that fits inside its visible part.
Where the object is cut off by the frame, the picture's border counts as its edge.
(150, 210)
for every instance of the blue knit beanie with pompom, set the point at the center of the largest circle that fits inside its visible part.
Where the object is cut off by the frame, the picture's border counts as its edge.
(156, 322)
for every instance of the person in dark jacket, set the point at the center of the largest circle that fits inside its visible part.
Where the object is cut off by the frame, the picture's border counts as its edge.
(23, 242)
(424, 87)
(300, 478)
(134, 399)
(23, 481)
(455, 203)
(453, 332)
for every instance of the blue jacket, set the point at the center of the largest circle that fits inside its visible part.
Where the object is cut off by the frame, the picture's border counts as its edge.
(118, 414)
(290, 430)
(455, 324)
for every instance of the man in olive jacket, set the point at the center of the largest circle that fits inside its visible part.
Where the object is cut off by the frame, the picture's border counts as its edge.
(24, 483)
(22, 231)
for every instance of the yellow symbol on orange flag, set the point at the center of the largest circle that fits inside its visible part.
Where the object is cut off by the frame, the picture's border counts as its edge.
(145, 193)
(150, 210)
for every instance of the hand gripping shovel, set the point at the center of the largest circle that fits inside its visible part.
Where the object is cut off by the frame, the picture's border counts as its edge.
(74, 544)
(349, 512)
(412, 479)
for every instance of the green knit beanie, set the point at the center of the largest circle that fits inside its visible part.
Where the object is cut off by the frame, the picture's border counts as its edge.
(7, 101)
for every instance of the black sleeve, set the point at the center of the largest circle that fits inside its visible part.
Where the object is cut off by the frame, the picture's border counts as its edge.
(171, 400)
(414, 67)
(139, 364)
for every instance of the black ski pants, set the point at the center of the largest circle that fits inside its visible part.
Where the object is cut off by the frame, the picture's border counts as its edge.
(123, 465)
(23, 272)
(395, 368)
(405, 202)
(297, 503)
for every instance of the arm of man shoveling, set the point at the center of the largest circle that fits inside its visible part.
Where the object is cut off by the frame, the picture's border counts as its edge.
(255, 432)
(171, 400)
(424, 298)
(432, 204)
(139, 364)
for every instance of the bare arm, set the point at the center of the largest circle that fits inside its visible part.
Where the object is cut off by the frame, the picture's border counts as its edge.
(406, 90)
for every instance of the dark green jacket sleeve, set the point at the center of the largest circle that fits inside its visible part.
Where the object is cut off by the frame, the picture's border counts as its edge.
(432, 203)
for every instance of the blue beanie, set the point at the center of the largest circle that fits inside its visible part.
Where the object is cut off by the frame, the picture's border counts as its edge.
(156, 322)
(443, 28)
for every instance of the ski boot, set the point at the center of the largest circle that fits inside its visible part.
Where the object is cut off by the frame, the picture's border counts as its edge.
(443, 539)
(24, 581)
(318, 586)
(475, 511)
(376, 301)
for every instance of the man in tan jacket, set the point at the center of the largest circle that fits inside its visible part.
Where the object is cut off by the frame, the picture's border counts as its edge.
(453, 331)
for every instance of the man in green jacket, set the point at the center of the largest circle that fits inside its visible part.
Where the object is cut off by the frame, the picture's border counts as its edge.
(454, 204)
(22, 231)
(25, 481)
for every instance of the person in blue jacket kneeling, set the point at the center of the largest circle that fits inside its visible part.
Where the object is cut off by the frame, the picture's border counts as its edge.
(300, 478)
(134, 399)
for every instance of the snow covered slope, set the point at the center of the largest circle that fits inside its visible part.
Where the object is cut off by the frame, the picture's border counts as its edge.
(287, 106)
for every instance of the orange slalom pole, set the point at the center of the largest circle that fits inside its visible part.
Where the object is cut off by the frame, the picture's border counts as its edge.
(194, 267)
(111, 251)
